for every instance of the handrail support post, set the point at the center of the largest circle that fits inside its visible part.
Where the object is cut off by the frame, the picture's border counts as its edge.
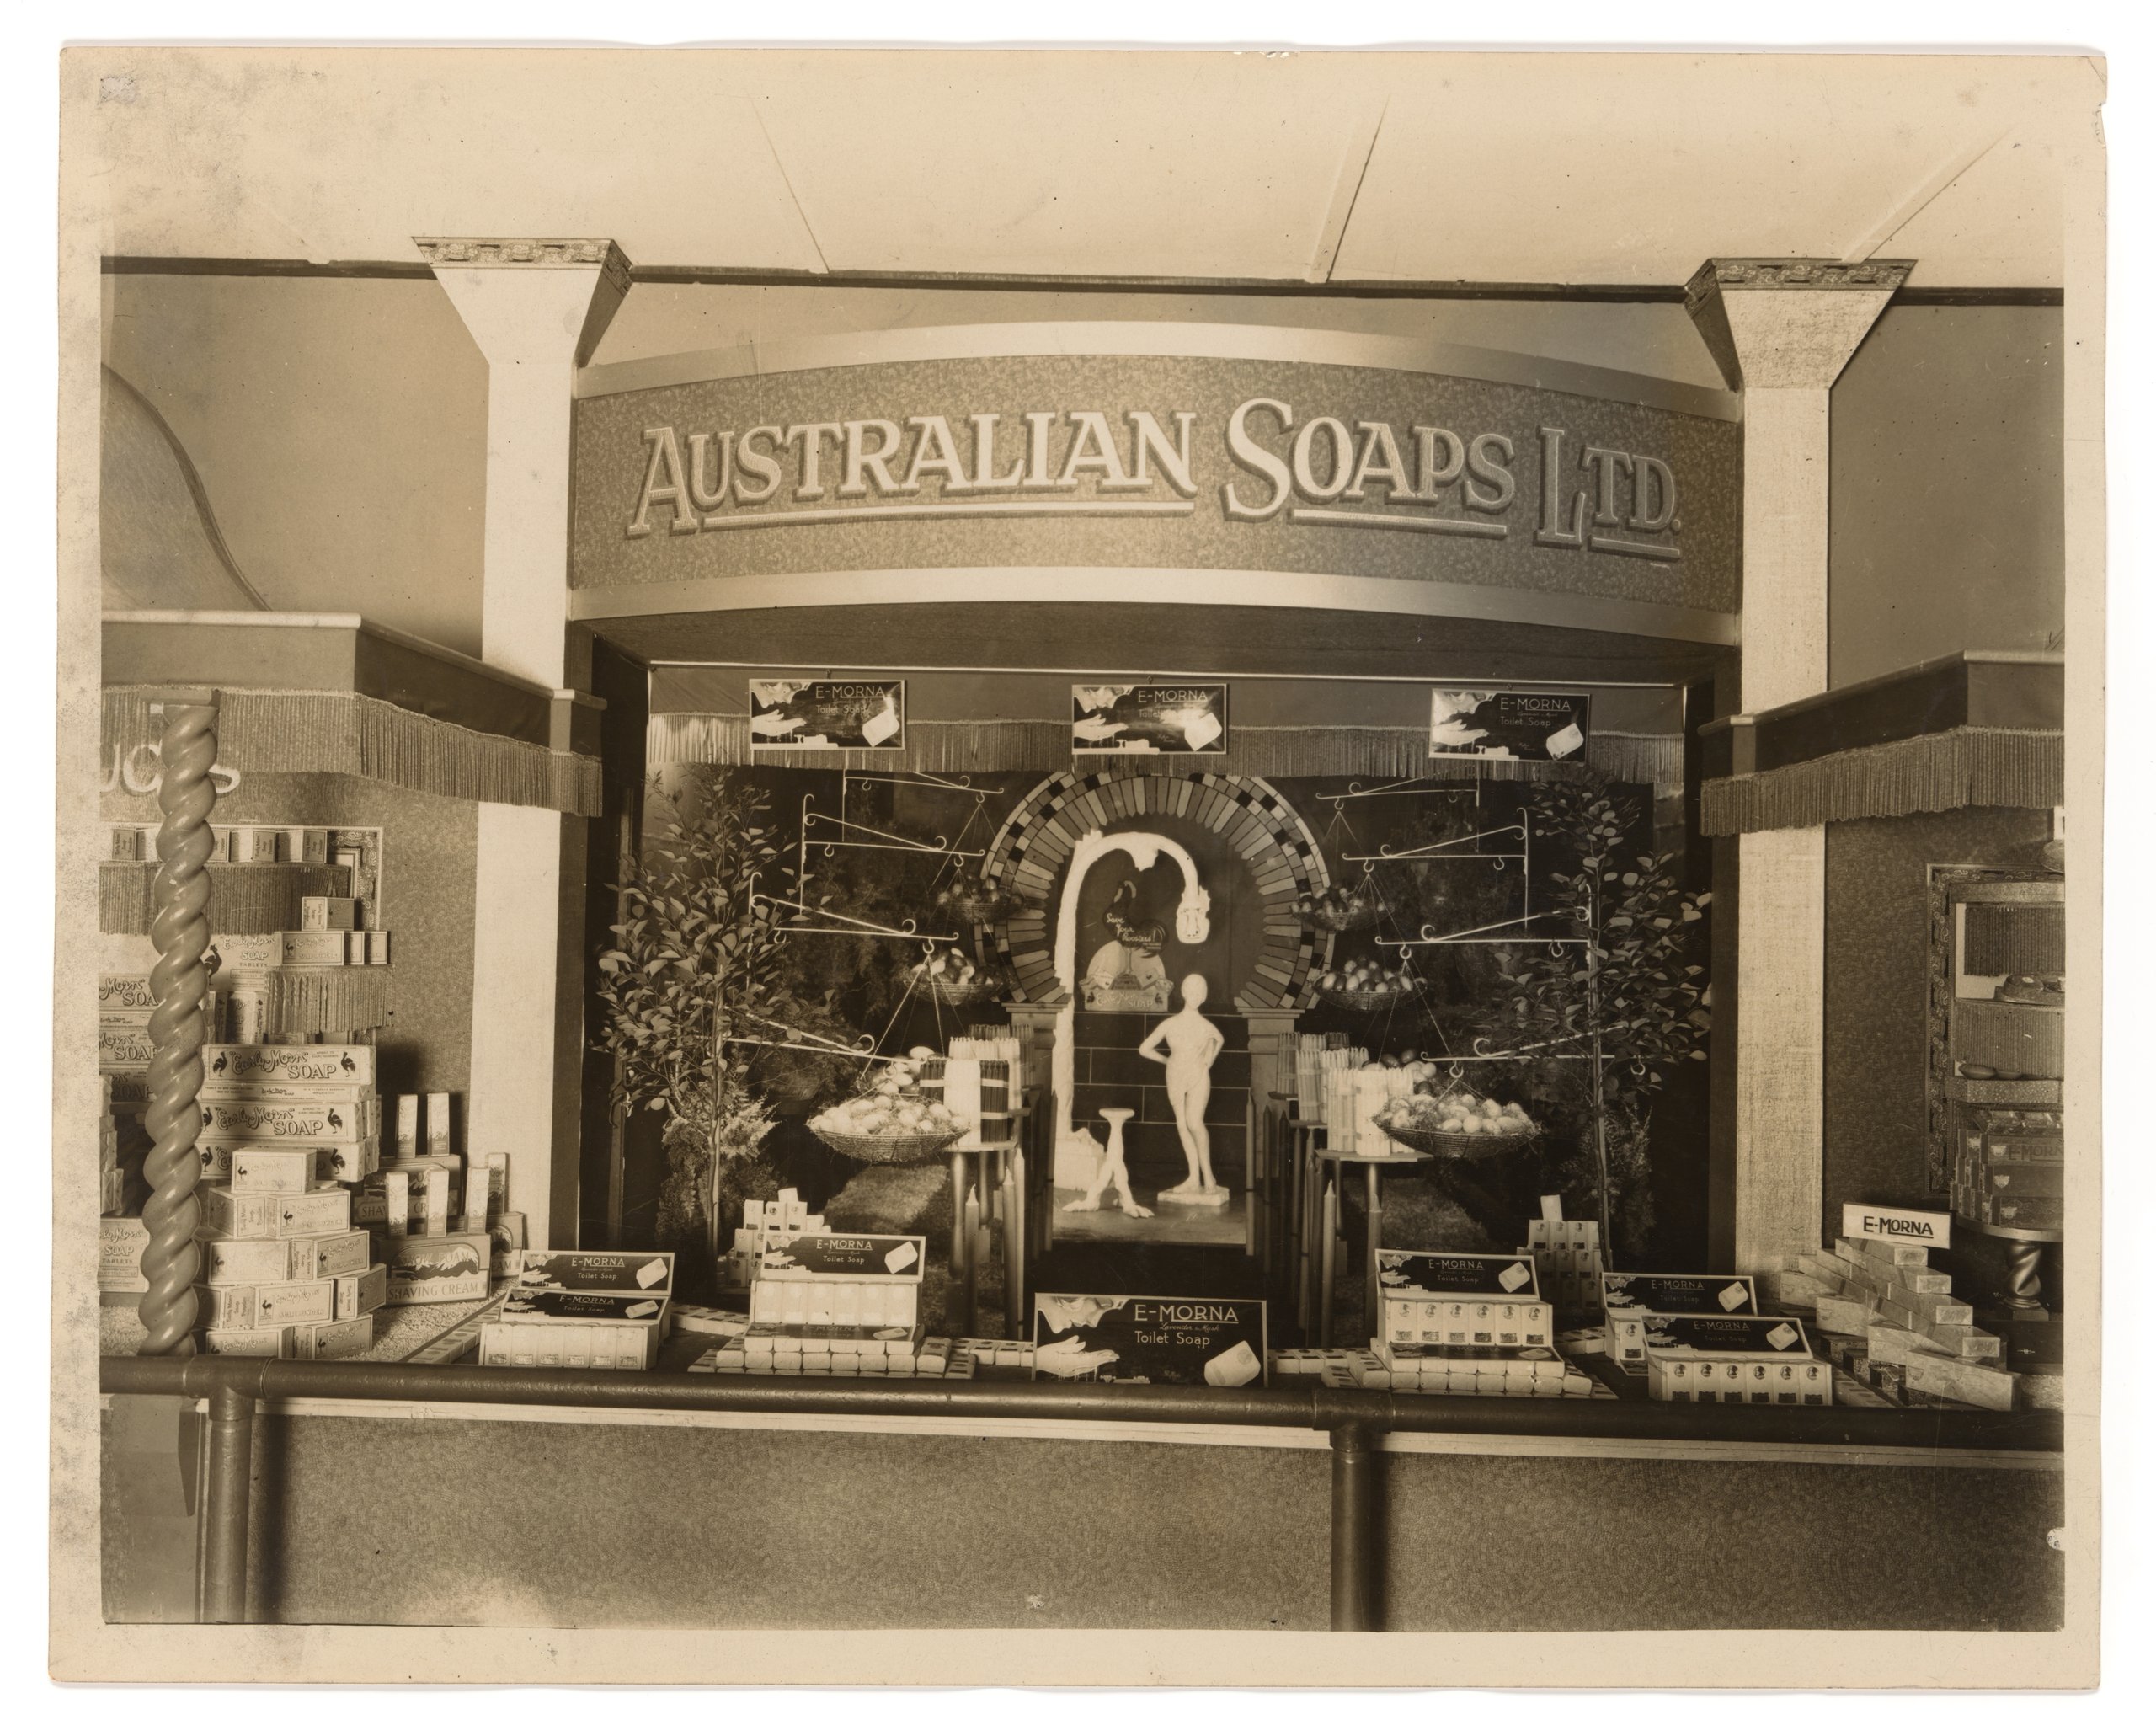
(1358, 1451)
(225, 1498)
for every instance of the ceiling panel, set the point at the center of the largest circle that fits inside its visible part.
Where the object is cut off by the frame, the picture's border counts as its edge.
(1545, 168)
(1082, 163)
(1634, 169)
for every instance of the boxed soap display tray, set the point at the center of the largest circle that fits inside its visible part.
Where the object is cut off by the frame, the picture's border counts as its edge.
(1150, 1340)
(1626, 1297)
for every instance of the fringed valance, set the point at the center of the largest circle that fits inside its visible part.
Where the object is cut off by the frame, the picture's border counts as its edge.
(987, 745)
(327, 1000)
(351, 735)
(1922, 773)
(242, 898)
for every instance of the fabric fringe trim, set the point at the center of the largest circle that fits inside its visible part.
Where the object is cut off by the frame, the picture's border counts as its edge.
(326, 1000)
(1924, 773)
(242, 897)
(976, 745)
(351, 735)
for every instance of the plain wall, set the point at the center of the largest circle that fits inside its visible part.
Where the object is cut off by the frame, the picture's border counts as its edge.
(339, 428)
(1948, 486)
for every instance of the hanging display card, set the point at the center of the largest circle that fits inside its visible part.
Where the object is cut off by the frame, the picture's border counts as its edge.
(867, 715)
(1521, 725)
(1119, 717)
(1150, 1340)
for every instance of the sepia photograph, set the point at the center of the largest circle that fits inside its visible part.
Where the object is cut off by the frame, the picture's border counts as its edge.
(902, 865)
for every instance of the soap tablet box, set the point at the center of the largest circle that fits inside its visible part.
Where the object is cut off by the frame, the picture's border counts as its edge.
(358, 1293)
(1457, 1277)
(526, 1304)
(329, 914)
(645, 1274)
(316, 1213)
(569, 1343)
(1731, 1336)
(336, 1065)
(334, 1340)
(256, 1307)
(314, 1120)
(1625, 1296)
(455, 1267)
(1676, 1377)
(328, 1257)
(1160, 1340)
(839, 1254)
(1509, 1321)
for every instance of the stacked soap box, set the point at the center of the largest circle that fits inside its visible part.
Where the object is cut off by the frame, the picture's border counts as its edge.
(1915, 1342)
(981, 1081)
(1733, 1359)
(765, 1224)
(1317, 1055)
(827, 1302)
(440, 1217)
(287, 1130)
(1353, 1098)
(1524, 1372)
(1568, 1256)
(2011, 1173)
(582, 1308)
(283, 1274)
(1458, 1323)
(1628, 1297)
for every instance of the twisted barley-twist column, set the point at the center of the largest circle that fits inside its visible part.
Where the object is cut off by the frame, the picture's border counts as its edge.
(178, 983)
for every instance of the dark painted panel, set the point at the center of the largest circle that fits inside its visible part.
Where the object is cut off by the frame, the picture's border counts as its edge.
(1876, 996)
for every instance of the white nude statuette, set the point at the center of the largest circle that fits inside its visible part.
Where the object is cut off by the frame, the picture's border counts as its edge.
(1112, 1170)
(1191, 1043)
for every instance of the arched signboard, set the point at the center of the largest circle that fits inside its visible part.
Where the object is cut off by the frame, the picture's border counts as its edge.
(1087, 460)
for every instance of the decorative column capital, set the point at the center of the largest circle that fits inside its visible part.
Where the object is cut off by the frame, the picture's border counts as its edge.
(1788, 321)
(603, 254)
(1785, 274)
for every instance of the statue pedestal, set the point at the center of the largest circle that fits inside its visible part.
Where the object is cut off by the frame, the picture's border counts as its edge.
(1077, 1158)
(1215, 1196)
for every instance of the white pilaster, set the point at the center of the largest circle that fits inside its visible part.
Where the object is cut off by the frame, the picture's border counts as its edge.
(1781, 330)
(537, 309)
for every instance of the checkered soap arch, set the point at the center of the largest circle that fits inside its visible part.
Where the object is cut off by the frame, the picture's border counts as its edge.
(1030, 848)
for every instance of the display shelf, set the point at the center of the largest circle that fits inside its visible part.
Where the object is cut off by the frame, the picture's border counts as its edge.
(2004, 1093)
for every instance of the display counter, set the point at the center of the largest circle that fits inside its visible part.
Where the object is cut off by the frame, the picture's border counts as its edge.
(735, 1501)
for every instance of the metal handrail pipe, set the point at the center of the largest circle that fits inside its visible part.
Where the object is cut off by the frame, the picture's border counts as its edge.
(1314, 1406)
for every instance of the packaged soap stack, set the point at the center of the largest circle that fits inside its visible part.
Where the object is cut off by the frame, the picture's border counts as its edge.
(1315, 1054)
(767, 1225)
(283, 1274)
(123, 1051)
(1461, 1323)
(440, 1217)
(582, 1308)
(827, 1302)
(286, 1131)
(1733, 1359)
(991, 1094)
(1906, 1333)
(1628, 1298)
(1352, 1098)
(1568, 1256)
(1522, 1371)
